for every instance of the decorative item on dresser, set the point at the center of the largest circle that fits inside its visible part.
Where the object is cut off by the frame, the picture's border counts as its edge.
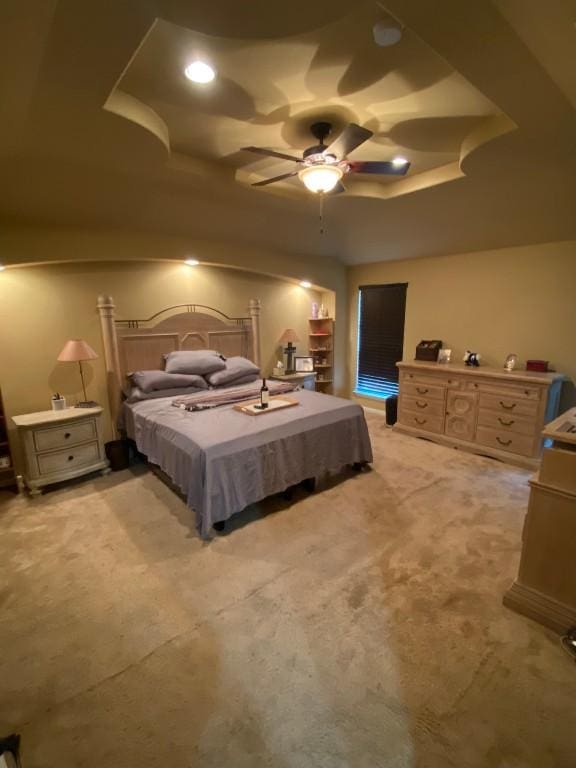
(61, 445)
(545, 588)
(485, 410)
(7, 474)
(306, 379)
(321, 348)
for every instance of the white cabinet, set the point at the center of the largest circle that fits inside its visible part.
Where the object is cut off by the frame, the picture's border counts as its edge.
(61, 445)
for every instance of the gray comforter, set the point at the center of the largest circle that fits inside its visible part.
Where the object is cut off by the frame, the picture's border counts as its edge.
(224, 460)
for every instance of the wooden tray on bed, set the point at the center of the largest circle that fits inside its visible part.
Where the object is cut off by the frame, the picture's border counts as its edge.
(277, 403)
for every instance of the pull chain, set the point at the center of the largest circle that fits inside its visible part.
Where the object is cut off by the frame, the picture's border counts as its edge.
(321, 217)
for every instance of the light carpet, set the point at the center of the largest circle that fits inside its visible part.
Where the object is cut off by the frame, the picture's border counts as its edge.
(358, 627)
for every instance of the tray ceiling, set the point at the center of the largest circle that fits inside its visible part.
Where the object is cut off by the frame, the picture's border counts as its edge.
(269, 91)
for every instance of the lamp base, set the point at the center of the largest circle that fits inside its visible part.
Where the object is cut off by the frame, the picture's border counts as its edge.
(87, 404)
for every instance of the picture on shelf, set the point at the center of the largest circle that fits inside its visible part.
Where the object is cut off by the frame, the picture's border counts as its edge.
(304, 364)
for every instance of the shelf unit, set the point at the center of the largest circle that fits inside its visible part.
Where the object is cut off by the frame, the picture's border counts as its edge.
(321, 348)
(7, 474)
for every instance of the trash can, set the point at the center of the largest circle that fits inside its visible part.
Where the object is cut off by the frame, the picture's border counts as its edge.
(391, 410)
(118, 454)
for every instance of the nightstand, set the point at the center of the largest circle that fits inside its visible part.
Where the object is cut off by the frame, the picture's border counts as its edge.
(307, 380)
(61, 445)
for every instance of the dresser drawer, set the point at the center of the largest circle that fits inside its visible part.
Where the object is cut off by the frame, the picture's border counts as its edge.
(73, 458)
(420, 390)
(64, 435)
(423, 405)
(505, 441)
(505, 389)
(421, 421)
(509, 405)
(506, 422)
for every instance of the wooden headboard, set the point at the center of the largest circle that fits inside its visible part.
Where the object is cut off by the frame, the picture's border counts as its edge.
(135, 345)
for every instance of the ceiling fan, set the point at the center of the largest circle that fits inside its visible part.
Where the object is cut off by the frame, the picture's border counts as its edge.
(322, 167)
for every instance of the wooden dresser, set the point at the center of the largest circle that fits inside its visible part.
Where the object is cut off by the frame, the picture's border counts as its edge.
(484, 410)
(60, 445)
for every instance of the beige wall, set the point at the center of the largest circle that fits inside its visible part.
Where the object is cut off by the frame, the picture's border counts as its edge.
(43, 306)
(39, 245)
(520, 300)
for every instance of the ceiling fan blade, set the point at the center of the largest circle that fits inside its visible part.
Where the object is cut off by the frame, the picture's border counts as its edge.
(384, 167)
(350, 138)
(276, 178)
(271, 153)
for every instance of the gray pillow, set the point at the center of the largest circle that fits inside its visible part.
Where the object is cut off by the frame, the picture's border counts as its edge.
(136, 393)
(153, 381)
(235, 368)
(201, 362)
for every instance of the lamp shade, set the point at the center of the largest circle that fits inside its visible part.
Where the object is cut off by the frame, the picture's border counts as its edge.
(289, 337)
(76, 350)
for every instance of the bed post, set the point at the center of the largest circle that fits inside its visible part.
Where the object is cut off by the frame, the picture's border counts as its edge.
(254, 309)
(111, 357)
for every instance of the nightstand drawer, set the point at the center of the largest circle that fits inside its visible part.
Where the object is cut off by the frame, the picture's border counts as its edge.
(61, 461)
(64, 435)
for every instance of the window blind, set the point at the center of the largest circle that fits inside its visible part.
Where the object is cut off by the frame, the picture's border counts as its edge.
(381, 311)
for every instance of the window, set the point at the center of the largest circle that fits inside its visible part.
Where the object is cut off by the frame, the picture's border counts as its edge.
(381, 310)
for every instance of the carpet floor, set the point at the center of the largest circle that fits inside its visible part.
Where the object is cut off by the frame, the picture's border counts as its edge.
(358, 627)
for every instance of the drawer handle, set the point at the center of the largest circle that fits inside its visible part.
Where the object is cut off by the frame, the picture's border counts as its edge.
(419, 404)
(504, 422)
(67, 435)
(420, 421)
(508, 407)
(422, 390)
(70, 458)
(503, 442)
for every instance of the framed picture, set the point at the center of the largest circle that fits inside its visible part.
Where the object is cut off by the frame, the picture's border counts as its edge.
(304, 364)
(444, 355)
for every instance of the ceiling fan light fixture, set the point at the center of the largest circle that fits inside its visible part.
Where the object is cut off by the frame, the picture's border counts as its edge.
(320, 178)
(200, 72)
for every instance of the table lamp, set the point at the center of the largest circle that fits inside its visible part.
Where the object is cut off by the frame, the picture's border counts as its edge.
(287, 338)
(75, 351)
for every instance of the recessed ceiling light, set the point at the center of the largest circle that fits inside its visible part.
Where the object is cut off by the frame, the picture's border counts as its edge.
(192, 262)
(386, 34)
(306, 284)
(397, 162)
(200, 72)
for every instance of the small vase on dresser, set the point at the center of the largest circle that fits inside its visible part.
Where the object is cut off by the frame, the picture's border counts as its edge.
(61, 445)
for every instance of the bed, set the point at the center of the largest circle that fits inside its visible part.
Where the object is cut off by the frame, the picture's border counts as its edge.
(221, 459)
